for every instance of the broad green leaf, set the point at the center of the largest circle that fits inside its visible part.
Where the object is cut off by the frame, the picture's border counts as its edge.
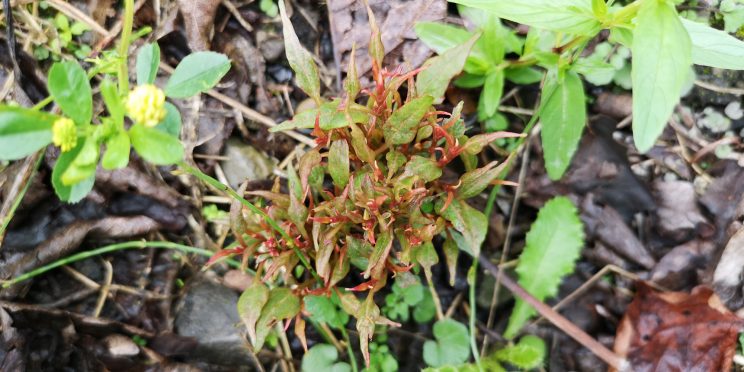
(661, 65)
(323, 309)
(395, 160)
(714, 48)
(474, 182)
(156, 146)
(493, 89)
(282, 304)
(380, 253)
(84, 165)
(330, 117)
(438, 72)
(442, 37)
(359, 251)
(323, 357)
(426, 256)
(523, 75)
(452, 345)
(171, 124)
(23, 131)
(117, 151)
(470, 222)
(69, 86)
(424, 168)
(196, 73)
(338, 163)
(114, 104)
(569, 16)
(250, 305)
(554, 244)
(595, 70)
(475, 144)
(527, 354)
(563, 115)
(402, 125)
(467, 80)
(299, 58)
(148, 59)
(425, 310)
(70, 193)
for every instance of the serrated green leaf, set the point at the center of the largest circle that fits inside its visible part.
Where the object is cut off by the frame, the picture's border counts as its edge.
(452, 345)
(70, 193)
(196, 73)
(117, 151)
(493, 89)
(661, 65)
(299, 58)
(569, 16)
(282, 304)
(527, 354)
(324, 358)
(338, 163)
(23, 131)
(714, 48)
(250, 305)
(148, 59)
(402, 125)
(438, 72)
(470, 222)
(156, 146)
(554, 244)
(69, 85)
(563, 116)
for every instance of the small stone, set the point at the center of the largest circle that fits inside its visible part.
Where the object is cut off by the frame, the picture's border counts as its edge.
(120, 346)
(271, 45)
(245, 163)
(733, 110)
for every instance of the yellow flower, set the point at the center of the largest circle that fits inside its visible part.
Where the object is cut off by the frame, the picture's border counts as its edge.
(64, 134)
(146, 105)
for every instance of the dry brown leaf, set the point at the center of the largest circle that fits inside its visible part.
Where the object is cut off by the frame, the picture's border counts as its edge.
(198, 21)
(676, 331)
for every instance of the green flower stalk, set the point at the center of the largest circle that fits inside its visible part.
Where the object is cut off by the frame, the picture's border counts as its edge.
(64, 134)
(146, 105)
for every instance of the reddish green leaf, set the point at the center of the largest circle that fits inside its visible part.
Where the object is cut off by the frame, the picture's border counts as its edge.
(299, 58)
(338, 163)
(282, 304)
(403, 124)
(250, 304)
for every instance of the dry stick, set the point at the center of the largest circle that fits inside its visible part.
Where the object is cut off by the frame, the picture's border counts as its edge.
(609, 357)
(105, 288)
(247, 112)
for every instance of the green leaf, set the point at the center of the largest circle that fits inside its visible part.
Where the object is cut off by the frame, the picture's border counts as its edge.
(299, 58)
(171, 124)
(402, 125)
(474, 182)
(470, 222)
(450, 254)
(322, 309)
(595, 70)
(569, 16)
(338, 163)
(250, 304)
(523, 75)
(117, 151)
(84, 165)
(424, 168)
(493, 89)
(563, 116)
(380, 253)
(554, 244)
(661, 65)
(425, 310)
(70, 193)
(69, 86)
(330, 117)
(529, 353)
(395, 160)
(156, 146)
(714, 48)
(196, 73)
(113, 102)
(282, 304)
(23, 131)
(467, 80)
(323, 357)
(442, 37)
(148, 59)
(452, 345)
(359, 251)
(438, 72)
(426, 256)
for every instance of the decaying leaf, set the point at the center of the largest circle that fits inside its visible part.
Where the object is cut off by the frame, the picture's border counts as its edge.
(676, 331)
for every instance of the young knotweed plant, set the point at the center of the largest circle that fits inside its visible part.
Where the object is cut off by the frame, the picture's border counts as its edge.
(369, 199)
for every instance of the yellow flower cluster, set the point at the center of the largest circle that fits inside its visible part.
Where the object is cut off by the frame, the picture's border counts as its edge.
(146, 105)
(64, 134)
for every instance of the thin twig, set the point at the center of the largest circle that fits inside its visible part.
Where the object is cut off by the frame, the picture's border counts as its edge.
(716, 88)
(104, 288)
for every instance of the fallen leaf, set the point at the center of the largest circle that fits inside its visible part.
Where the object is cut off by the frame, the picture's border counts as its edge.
(198, 21)
(676, 331)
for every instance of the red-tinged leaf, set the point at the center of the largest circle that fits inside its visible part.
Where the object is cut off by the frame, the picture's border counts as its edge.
(338, 163)
(470, 222)
(383, 244)
(676, 331)
(476, 143)
(225, 253)
(308, 161)
(402, 125)
(359, 143)
(367, 317)
(474, 182)
(282, 304)
(424, 168)
(299, 331)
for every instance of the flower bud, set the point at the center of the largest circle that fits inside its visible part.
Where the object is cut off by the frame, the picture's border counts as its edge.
(64, 134)
(146, 105)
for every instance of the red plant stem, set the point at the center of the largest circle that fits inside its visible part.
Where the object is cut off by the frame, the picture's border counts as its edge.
(614, 360)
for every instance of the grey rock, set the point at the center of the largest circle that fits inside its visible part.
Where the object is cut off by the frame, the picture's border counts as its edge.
(208, 312)
(245, 163)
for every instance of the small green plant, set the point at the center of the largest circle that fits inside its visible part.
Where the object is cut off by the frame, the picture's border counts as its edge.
(408, 292)
(323, 357)
(664, 47)
(526, 355)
